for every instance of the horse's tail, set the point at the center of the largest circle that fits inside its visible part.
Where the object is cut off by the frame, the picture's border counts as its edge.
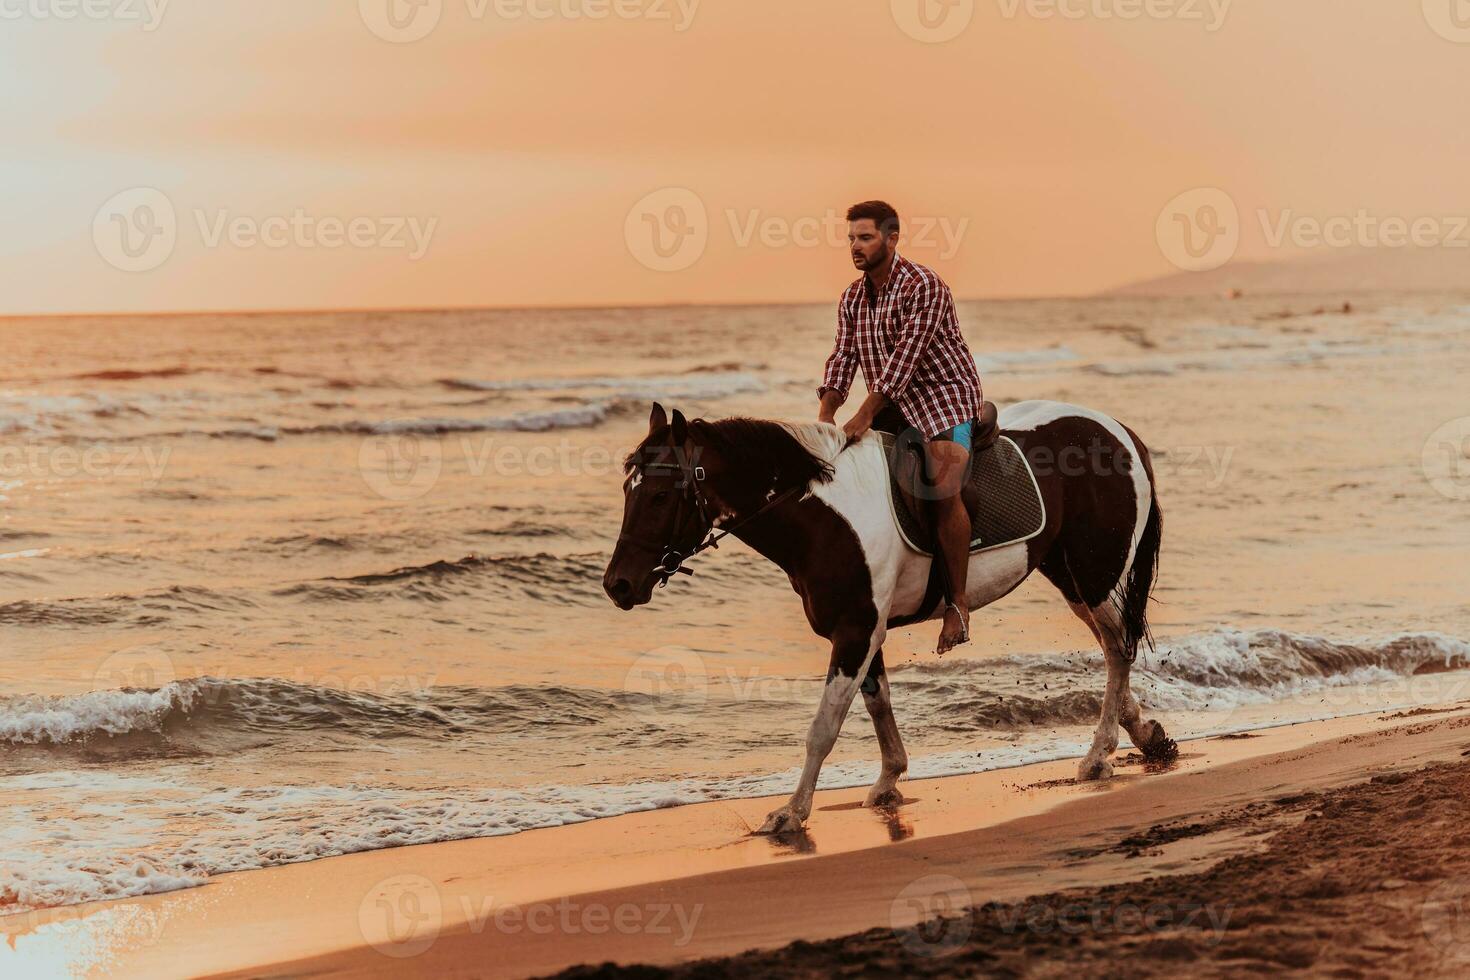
(1139, 585)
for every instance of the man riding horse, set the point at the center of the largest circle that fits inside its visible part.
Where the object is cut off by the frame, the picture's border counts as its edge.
(816, 501)
(897, 322)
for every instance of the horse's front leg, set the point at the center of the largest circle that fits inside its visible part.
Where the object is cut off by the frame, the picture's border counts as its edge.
(895, 759)
(852, 654)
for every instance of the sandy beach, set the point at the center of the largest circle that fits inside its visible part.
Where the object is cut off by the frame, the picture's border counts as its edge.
(675, 886)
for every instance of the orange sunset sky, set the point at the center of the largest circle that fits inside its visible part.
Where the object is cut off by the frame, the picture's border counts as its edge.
(520, 136)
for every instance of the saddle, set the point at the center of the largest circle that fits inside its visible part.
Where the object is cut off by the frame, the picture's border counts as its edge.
(1001, 493)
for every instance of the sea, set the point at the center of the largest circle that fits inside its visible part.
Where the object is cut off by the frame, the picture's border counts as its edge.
(280, 587)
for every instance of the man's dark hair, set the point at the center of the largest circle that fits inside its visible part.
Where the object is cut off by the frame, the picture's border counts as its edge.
(881, 212)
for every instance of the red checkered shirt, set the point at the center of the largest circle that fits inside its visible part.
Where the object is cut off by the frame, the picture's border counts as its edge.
(907, 341)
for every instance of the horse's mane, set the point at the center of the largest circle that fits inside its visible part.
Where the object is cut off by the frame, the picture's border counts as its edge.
(777, 455)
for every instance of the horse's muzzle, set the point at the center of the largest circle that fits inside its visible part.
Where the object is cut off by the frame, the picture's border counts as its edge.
(621, 592)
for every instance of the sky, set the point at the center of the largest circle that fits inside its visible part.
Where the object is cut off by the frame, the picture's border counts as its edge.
(298, 154)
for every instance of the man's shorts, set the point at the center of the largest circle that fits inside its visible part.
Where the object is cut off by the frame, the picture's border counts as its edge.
(962, 434)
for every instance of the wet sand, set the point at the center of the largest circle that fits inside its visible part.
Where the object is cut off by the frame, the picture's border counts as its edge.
(1369, 880)
(674, 886)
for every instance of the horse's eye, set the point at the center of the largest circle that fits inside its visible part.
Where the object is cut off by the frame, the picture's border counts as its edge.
(661, 498)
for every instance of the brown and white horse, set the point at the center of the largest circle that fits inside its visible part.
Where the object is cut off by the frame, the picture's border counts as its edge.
(798, 495)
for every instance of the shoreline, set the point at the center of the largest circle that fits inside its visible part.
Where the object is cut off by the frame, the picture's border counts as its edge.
(686, 883)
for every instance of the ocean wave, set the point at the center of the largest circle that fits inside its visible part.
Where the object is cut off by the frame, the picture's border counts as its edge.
(1218, 670)
(525, 529)
(699, 383)
(1222, 668)
(143, 609)
(216, 714)
(561, 578)
(581, 416)
(123, 374)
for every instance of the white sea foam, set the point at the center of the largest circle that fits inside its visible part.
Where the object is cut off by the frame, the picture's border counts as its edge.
(992, 362)
(1310, 352)
(35, 720)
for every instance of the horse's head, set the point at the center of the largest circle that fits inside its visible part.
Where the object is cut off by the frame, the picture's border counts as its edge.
(666, 510)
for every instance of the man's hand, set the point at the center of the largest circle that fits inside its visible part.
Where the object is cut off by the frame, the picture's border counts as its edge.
(831, 402)
(862, 419)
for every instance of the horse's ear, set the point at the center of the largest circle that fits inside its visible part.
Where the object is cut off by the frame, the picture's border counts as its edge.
(681, 428)
(658, 419)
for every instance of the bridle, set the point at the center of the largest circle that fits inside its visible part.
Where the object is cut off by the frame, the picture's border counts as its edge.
(681, 546)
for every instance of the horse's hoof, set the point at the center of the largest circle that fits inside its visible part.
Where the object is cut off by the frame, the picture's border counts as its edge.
(878, 799)
(1159, 747)
(1092, 770)
(781, 821)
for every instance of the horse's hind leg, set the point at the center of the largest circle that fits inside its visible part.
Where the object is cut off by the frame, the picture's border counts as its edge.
(1096, 764)
(895, 759)
(1120, 707)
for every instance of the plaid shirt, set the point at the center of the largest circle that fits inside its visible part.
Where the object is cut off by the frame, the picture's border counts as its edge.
(907, 341)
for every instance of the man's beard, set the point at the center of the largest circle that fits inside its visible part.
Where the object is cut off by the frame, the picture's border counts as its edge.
(879, 257)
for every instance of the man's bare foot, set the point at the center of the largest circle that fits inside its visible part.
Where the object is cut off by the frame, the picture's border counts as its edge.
(956, 629)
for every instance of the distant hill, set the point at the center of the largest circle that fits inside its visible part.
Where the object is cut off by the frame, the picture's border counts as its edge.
(1359, 270)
